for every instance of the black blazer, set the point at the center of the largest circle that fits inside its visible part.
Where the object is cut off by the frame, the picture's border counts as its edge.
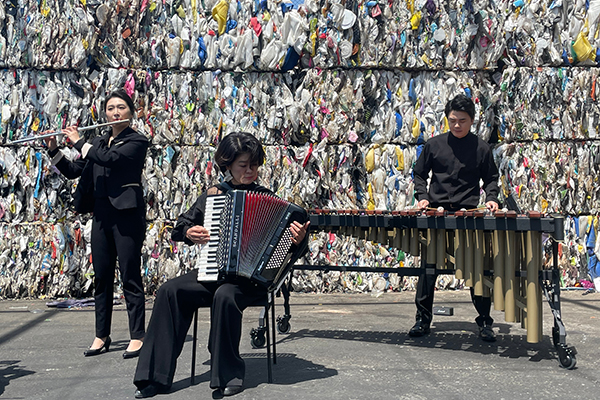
(116, 171)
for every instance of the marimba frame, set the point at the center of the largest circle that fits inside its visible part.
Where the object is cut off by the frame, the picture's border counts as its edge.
(414, 230)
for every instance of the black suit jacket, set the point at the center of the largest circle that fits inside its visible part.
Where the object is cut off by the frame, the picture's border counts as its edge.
(116, 171)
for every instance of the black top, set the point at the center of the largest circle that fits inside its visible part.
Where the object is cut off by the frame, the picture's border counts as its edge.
(457, 166)
(115, 171)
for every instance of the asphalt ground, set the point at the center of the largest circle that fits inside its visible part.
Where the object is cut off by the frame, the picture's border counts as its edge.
(340, 346)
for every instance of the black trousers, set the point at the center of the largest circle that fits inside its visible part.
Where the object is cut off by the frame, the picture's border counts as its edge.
(118, 234)
(425, 294)
(174, 307)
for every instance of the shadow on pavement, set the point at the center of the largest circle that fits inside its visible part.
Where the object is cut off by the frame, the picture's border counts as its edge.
(25, 327)
(289, 370)
(10, 370)
(456, 336)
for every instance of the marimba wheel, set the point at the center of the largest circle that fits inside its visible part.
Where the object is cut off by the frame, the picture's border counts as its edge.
(283, 326)
(257, 337)
(566, 357)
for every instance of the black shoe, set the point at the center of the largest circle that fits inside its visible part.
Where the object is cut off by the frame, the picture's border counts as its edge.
(95, 352)
(132, 354)
(148, 391)
(487, 334)
(420, 328)
(232, 390)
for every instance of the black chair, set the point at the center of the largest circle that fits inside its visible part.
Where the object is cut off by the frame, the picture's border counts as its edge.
(257, 334)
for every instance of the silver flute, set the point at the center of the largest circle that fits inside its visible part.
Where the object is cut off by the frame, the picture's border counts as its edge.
(56, 133)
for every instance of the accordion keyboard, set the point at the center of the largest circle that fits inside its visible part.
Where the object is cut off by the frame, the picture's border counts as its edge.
(208, 269)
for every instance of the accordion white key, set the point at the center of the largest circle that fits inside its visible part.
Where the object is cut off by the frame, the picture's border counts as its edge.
(207, 259)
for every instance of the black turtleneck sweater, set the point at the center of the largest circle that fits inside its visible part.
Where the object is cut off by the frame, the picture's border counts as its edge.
(457, 166)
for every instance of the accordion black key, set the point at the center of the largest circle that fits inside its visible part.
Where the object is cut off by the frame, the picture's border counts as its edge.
(254, 237)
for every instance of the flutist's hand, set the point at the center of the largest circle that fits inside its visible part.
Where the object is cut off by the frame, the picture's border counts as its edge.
(50, 141)
(198, 234)
(298, 231)
(72, 134)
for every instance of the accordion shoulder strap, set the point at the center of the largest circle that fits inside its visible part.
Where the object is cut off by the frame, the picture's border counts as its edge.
(226, 185)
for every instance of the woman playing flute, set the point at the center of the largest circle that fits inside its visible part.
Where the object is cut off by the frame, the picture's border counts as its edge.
(110, 168)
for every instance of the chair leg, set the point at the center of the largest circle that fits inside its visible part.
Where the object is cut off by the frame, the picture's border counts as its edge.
(269, 367)
(194, 342)
(273, 329)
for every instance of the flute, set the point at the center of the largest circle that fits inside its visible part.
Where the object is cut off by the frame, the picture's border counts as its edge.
(56, 133)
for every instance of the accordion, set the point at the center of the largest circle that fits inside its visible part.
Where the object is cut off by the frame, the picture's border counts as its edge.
(250, 238)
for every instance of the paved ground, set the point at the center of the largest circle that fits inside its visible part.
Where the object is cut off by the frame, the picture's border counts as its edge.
(340, 347)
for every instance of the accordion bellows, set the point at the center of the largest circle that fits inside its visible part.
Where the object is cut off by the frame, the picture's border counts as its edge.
(254, 237)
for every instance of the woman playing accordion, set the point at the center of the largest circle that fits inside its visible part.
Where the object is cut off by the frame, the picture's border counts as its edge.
(238, 156)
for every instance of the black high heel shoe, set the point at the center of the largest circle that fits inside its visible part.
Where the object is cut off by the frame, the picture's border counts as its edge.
(132, 354)
(95, 352)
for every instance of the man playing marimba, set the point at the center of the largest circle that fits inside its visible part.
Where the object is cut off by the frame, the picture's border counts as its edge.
(458, 161)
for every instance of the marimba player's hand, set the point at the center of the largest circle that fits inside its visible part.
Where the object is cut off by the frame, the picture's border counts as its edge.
(492, 206)
(198, 234)
(423, 204)
(298, 231)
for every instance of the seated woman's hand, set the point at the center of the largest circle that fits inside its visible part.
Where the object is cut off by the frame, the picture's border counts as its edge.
(298, 231)
(198, 234)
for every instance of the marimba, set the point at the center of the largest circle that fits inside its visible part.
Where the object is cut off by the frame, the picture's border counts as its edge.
(498, 255)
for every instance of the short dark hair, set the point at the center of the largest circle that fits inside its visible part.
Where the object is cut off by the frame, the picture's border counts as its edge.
(121, 94)
(236, 144)
(461, 103)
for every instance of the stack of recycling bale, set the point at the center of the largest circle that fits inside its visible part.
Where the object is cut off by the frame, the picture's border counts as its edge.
(342, 93)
